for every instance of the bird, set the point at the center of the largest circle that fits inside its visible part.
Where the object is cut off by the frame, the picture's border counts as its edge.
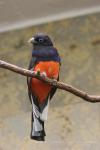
(45, 61)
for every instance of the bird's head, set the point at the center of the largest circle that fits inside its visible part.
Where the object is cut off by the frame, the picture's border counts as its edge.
(41, 40)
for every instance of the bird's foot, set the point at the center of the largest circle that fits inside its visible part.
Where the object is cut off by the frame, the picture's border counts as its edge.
(38, 73)
(43, 74)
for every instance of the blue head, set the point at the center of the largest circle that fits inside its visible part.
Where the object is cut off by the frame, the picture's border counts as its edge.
(41, 40)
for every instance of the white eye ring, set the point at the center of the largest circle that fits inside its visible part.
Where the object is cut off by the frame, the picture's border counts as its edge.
(31, 40)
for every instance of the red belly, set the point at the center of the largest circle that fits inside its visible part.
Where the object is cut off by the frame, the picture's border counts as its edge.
(39, 88)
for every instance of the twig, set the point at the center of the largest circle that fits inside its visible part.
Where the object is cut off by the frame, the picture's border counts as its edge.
(59, 85)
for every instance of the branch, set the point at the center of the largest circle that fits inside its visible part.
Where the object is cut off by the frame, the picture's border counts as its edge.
(59, 85)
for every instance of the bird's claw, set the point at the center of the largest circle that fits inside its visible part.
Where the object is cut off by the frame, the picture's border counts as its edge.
(43, 74)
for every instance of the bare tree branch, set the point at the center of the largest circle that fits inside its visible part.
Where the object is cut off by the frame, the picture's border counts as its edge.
(59, 85)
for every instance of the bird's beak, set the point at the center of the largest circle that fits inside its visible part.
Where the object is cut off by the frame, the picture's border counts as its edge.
(31, 40)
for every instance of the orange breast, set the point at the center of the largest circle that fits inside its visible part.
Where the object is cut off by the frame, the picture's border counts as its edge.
(39, 88)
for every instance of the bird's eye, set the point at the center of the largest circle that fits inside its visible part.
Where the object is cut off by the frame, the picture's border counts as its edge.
(40, 40)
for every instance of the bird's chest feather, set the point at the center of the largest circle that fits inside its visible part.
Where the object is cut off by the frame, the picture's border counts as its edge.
(40, 88)
(51, 68)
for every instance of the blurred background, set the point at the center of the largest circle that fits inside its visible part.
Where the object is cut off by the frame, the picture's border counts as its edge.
(74, 27)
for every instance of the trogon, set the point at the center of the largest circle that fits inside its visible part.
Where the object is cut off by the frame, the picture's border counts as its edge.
(45, 61)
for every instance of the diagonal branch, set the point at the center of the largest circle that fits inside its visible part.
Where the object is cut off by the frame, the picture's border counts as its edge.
(59, 85)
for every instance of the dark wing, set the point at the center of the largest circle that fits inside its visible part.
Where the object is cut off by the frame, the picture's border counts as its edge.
(32, 63)
(53, 90)
(30, 67)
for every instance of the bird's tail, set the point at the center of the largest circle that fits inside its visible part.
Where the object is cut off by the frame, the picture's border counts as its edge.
(37, 122)
(37, 129)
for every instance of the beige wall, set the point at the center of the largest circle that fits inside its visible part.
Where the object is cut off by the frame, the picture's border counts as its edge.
(73, 123)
